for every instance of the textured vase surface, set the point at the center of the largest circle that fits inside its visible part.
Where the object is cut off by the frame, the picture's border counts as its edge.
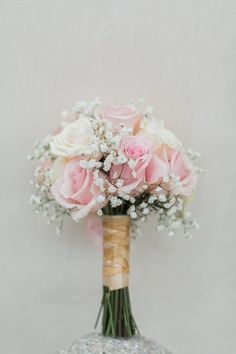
(98, 344)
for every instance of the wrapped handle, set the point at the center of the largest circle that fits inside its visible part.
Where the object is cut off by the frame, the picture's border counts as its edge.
(116, 246)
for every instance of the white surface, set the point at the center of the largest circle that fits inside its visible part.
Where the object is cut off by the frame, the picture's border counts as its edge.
(179, 56)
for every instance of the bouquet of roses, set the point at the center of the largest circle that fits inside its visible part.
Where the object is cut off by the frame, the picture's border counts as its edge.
(123, 164)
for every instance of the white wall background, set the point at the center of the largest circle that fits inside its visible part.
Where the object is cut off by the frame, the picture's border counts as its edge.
(179, 56)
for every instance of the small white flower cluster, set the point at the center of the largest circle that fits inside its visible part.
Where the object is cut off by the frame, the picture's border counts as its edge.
(87, 108)
(42, 151)
(171, 210)
(43, 202)
(172, 215)
(195, 156)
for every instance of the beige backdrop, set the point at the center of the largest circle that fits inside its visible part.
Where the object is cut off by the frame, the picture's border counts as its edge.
(179, 56)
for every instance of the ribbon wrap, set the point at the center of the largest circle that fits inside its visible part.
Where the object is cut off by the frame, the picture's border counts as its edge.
(116, 245)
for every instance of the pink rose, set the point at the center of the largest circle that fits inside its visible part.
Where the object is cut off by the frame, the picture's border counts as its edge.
(127, 115)
(139, 152)
(177, 165)
(155, 170)
(76, 189)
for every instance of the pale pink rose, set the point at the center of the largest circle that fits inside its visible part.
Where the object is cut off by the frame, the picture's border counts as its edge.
(76, 189)
(155, 170)
(179, 165)
(137, 149)
(126, 115)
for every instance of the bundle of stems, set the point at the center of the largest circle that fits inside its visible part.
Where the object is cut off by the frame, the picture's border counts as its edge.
(117, 318)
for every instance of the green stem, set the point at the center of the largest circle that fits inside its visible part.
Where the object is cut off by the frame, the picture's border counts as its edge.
(117, 321)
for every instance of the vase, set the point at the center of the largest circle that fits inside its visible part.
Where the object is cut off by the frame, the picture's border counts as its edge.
(120, 332)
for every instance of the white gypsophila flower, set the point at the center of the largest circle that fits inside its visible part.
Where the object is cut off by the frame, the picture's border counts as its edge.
(76, 139)
(188, 235)
(88, 108)
(143, 205)
(121, 159)
(195, 225)
(111, 189)
(132, 163)
(126, 197)
(160, 227)
(115, 202)
(42, 150)
(131, 209)
(157, 131)
(145, 211)
(133, 215)
(149, 110)
(95, 174)
(115, 141)
(119, 183)
(43, 203)
(194, 155)
(80, 106)
(99, 212)
(108, 162)
(152, 199)
(167, 205)
(100, 198)
(104, 148)
(162, 198)
(176, 180)
(165, 179)
(109, 135)
(99, 182)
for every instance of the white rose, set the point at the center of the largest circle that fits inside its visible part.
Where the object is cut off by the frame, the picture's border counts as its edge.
(75, 139)
(57, 169)
(158, 133)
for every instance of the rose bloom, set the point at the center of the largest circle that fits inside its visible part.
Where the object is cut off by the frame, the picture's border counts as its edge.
(68, 119)
(74, 139)
(127, 115)
(157, 132)
(57, 168)
(76, 189)
(148, 168)
(179, 165)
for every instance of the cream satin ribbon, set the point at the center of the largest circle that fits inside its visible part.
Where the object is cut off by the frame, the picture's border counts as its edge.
(116, 251)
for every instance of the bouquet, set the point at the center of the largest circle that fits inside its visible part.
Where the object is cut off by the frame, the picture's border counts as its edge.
(122, 164)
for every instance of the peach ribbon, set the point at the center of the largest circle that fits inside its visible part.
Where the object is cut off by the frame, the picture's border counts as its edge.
(116, 251)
